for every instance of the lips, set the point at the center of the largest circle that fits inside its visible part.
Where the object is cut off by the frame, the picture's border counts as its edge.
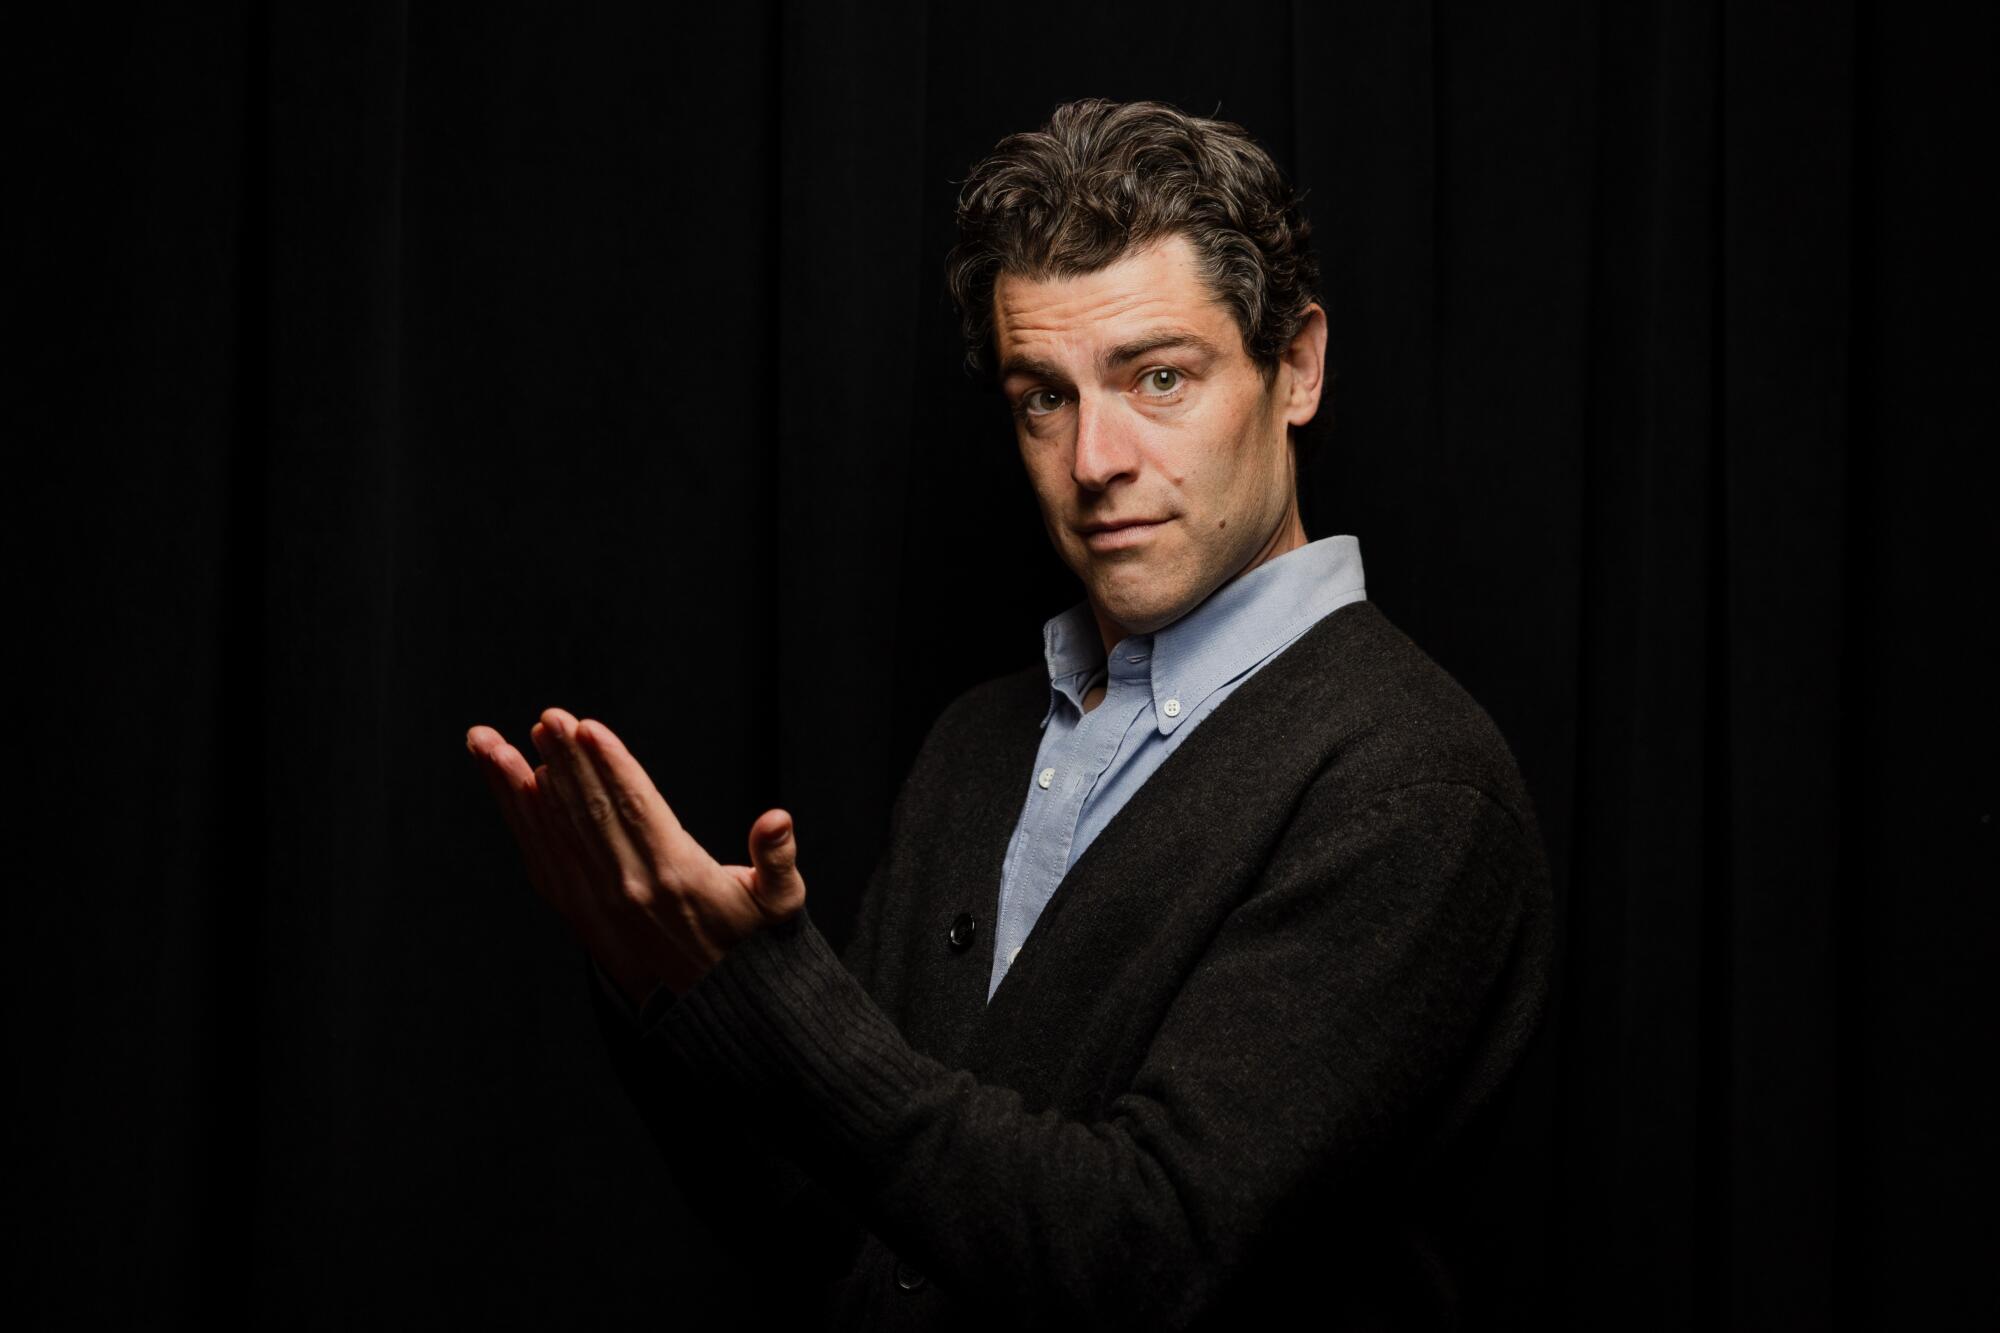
(1110, 524)
(1114, 534)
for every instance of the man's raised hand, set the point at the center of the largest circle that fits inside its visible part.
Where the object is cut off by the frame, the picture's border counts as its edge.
(605, 850)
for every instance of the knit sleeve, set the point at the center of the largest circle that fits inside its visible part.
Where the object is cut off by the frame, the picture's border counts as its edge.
(1345, 1000)
(750, 1197)
(742, 1182)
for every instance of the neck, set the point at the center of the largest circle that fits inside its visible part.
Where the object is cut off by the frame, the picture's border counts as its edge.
(1289, 535)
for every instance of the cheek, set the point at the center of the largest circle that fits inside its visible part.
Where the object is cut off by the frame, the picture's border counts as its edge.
(1233, 481)
(1221, 470)
(1042, 467)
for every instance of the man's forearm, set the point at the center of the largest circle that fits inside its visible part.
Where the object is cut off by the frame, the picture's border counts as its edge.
(758, 1204)
(1144, 1216)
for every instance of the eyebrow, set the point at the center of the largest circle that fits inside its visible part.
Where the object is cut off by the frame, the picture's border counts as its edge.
(1165, 340)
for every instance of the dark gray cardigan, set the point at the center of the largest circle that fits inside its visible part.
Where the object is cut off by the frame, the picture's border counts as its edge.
(1230, 1070)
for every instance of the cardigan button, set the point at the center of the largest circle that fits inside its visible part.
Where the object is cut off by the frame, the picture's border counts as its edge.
(963, 927)
(907, 1277)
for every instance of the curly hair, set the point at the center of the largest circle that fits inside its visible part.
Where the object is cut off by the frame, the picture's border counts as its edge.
(1103, 179)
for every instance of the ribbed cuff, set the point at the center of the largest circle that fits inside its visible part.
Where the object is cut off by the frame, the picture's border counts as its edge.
(784, 1023)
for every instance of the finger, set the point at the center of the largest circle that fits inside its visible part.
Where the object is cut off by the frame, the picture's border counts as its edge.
(597, 909)
(571, 868)
(636, 798)
(479, 743)
(774, 854)
(606, 820)
(512, 783)
(543, 864)
(595, 920)
(484, 745)
(560, 765)
(565, 841)
(504, 761)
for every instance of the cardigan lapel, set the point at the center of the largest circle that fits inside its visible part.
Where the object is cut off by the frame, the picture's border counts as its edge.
(945, 987)
(1235, 778)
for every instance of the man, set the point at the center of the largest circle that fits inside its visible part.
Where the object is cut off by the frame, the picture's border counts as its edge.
(1197, 949)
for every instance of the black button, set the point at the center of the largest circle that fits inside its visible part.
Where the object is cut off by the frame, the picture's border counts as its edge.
(907, 1277)
(961, 932)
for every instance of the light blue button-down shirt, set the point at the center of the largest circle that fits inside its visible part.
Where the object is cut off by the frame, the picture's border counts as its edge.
(1158, 688)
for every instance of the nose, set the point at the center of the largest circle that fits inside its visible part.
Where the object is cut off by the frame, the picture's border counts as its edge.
(1105, 449)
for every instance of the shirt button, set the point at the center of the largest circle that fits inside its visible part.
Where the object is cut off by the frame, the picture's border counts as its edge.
(1047, 776)
(1172, 708)
(1016, 953)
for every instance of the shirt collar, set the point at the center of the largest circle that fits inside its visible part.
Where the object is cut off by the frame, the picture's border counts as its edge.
(1236, 627)
(1074, 652)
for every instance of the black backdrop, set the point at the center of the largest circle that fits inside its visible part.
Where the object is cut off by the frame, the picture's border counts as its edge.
(391, 370)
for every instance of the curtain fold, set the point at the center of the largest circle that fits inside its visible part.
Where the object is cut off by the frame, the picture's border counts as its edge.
(393, 370)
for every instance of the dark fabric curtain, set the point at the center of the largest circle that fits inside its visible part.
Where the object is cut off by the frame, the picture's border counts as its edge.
(390, 369)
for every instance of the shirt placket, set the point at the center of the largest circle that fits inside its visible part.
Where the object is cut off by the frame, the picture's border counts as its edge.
(1072, 767)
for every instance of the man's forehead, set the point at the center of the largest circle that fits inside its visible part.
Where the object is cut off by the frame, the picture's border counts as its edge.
(1146, 292)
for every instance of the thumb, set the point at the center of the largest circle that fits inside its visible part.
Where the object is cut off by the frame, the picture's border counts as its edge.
(774, 855)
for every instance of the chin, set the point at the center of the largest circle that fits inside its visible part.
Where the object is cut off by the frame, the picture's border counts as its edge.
(1139, 615)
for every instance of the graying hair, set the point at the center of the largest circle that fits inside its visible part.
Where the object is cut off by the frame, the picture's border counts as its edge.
(1103, 179)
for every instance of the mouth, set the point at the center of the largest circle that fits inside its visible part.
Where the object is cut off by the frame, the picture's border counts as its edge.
(1120, 534)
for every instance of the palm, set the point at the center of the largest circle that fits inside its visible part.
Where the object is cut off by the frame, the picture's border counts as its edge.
(607, 852)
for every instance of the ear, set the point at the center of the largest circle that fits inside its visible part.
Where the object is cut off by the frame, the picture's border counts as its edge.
(1304, 363)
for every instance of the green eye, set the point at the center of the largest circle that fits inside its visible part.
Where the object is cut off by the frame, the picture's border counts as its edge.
(1041, 402)
(1163, 380)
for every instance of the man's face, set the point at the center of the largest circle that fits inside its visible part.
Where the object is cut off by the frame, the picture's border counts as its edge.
(1135, 403)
